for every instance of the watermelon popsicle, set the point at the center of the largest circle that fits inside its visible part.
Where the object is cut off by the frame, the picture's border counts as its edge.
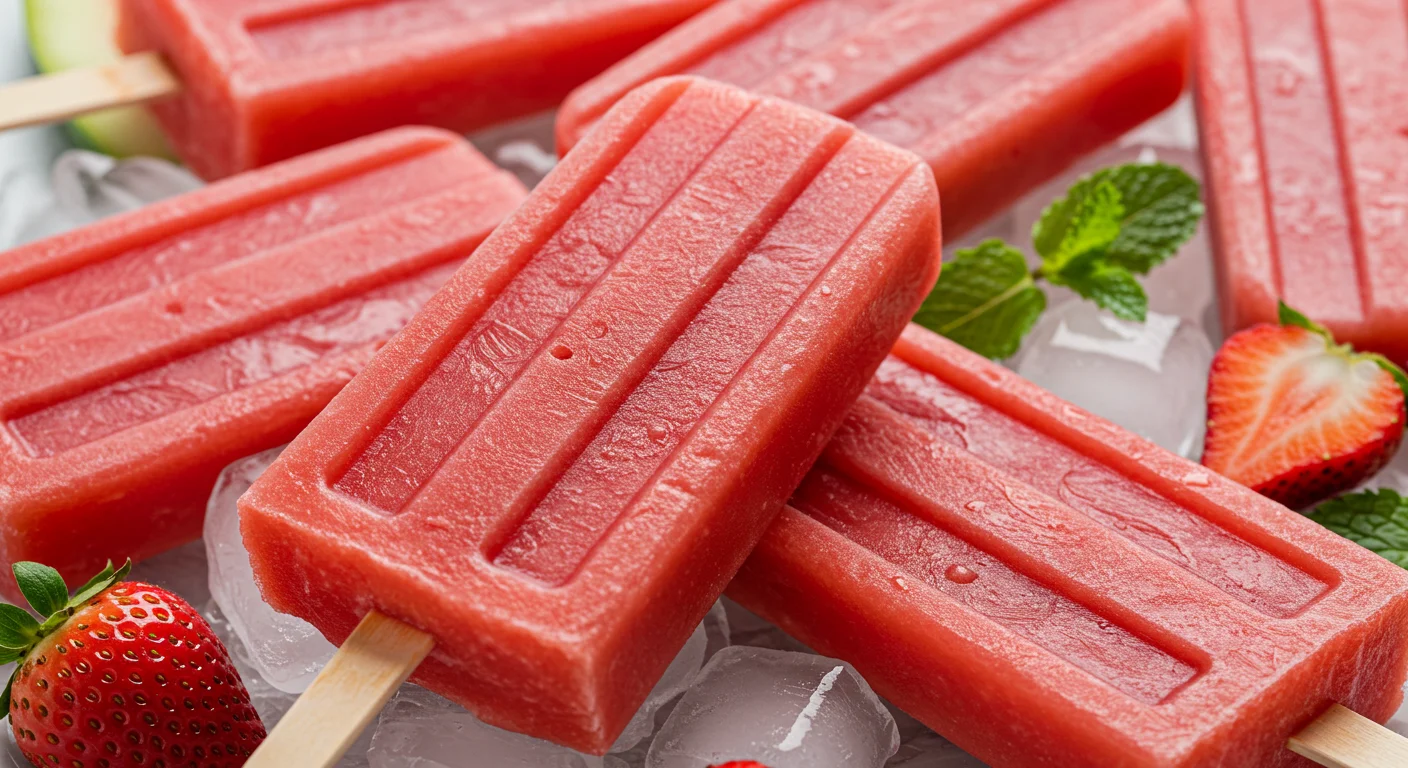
(998, 96)
(264, 80)
(1044, 588)
(143, 353)
(1305, 141)
(558, 466)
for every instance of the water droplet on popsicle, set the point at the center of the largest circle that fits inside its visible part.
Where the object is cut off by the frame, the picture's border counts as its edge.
(960, 574)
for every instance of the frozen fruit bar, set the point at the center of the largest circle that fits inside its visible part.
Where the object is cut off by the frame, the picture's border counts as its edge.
(140, 355)
(998, 96)
(1044, 588)
(264, 80)
(565, 457)
(1305, 139)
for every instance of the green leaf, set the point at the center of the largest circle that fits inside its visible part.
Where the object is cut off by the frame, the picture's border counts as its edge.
(1377, 521)
(5, 697)
(105, 578)
(1291, 317)
(1111, 287)
(985, 300)
(17, 627)
(8, 655)
(1162, 208)
(42, 586)
(1086, 219)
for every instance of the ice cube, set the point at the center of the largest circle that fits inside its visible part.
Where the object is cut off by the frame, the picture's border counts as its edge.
(523, 147)
(419, 728)
(1150, 378)
(783, 709)
(287, 651)
(709, 638)
(930, 750)
(89, 186)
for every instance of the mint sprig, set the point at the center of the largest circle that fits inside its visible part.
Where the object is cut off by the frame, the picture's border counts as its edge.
(48, 596)
(1375, 520)
(1109, 227)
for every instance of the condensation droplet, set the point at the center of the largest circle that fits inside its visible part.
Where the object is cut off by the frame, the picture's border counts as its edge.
(900, 583)
(975, 506)
(825, 290)
(960, 574)
(657, 432)
(597, 330)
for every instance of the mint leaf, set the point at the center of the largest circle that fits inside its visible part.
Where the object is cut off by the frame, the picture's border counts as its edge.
(1086, 219)
(1377, 521)
(42, 586)
(985, 300)
(17, 627)
(1162, 208)
(1291, 317)
(1109, 286)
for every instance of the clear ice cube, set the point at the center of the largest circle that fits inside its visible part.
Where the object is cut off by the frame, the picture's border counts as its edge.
(1149, 378)
(785, 710)
(181, 570)
(89, 186)
(419, 728)
(748, 628)
(287, 651)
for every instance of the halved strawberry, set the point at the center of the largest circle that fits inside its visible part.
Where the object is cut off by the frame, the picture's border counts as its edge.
(740, 764)
(1297, 417)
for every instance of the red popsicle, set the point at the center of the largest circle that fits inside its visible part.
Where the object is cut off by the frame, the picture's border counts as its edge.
(140, 355)
(998, 96)
(1305, 139)
(1044, 588)
(561, 462)
(264, 80)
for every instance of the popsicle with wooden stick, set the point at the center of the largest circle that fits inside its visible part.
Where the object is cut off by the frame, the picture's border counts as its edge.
(1044, 588)
(239, 84)
(558, 466)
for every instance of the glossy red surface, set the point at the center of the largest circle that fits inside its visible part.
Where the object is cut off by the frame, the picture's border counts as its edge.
(143, 353)
(1305, 140)
(265, 80)
(1044, 588)
(997, 96)
(559, 465)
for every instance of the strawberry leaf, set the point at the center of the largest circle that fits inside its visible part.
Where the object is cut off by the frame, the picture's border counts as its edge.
(985, 300)
(105, 578)
(17, 628)
(1291, 317)
(42, 586)
(5, 696)
(1377, 521)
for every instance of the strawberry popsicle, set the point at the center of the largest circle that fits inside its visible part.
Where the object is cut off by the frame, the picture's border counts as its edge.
(141, 354)
(1044, 588)
(1305, 140)
(998, 96)
(264, 80)
(565, 457)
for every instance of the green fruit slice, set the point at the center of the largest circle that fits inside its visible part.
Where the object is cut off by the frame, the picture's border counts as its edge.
(72, 34)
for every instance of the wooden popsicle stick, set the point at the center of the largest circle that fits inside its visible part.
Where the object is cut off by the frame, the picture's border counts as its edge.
(361, 677)
(134, 79)
(1342, 738)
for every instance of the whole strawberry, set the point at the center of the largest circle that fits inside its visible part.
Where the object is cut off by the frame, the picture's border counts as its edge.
(121, 674)
(1297, 417)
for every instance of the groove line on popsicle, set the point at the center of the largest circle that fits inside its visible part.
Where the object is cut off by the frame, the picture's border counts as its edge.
(373, 476)
(851, 502)
(1228, 562)
(532, 548)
